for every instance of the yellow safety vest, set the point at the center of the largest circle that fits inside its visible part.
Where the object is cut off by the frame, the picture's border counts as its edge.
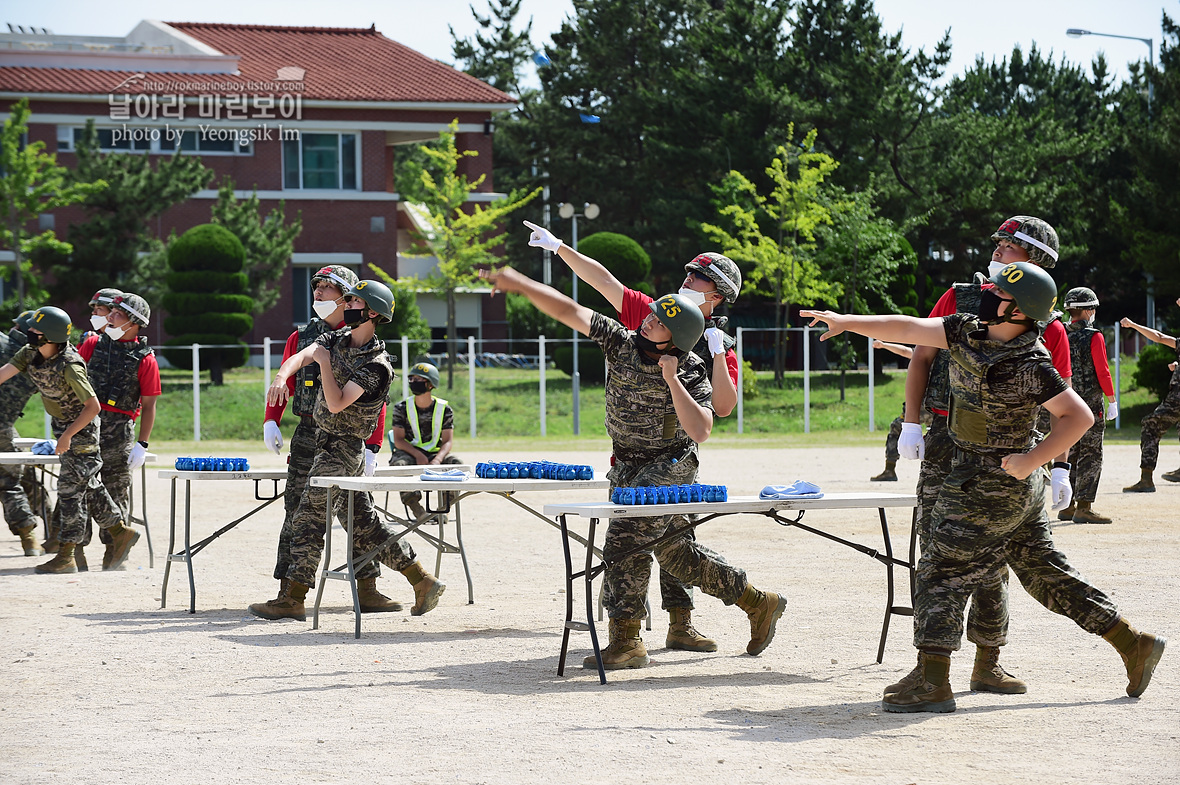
(440, 408)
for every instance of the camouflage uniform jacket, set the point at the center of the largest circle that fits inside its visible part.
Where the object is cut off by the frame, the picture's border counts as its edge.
(307, 380)
(49, 376)
(17, 391)
(1175, 380)
(114, 371)
(640, 417)
(1085, 375)
(938, 391)
(997, 387)
(369, 367)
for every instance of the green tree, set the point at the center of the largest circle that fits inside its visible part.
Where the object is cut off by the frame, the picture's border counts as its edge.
(462, 234)
(206, 302)
(776, 232)
(407, 318)
(268, 241)
(623, 257)
(31, 183)
(496, 53)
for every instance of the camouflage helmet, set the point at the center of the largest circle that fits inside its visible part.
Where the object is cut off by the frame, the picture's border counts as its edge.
(1033, 235)
(1030, 286)
(135, 307)
(680, 315)
(1081, 297)
(721, 270)
(22, 320)
(424, 371)
(53, 323)
(377, 297)
(104, 297)
(337, 275)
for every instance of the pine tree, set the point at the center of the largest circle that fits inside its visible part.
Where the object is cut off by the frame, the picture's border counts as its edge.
(268, 241)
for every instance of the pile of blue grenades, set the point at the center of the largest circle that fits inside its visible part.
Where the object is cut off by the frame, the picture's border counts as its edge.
(533, 470)
(670, 494)
(212, 465)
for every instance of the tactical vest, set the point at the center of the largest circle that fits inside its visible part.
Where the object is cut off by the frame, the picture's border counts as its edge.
(307, 379)
(436, 421)
(114, 372)
(1175, 380)
(49, 376)
(360, 418)
(1085, 375)
(979, 419)
(17, 391)
(938, 392)
(702, 348)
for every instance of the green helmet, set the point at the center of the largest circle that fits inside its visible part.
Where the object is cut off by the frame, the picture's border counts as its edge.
(104, 297)
(53, 323)
(22, 320)
(135, 307)
(337, 275)
(424, 371)
(1081, 297)
(376, 295)
(682, 317)
(1033, 235)
(1031, 287)
(721, 270)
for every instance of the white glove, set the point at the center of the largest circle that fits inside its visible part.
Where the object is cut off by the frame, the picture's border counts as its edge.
(1060, 490)
(272, 437)
(542, 238)
(370, 463)
(716, 340)
(910, 445)
(137, 457)
(1112, 410)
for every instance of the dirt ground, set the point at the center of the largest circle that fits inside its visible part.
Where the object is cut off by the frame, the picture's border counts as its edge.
(98, 684)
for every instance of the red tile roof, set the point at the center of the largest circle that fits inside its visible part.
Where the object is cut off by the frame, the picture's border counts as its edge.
(341, 64)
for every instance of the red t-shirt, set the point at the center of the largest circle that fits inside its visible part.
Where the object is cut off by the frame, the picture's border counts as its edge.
(148, 372)
(635, 310)
(1054, 339)
(1101, 364)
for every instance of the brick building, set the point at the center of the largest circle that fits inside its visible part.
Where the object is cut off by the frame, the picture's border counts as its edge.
(310, 116)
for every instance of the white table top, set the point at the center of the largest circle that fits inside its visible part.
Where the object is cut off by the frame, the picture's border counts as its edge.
(281, 474)
(735, 504)
(379, 484)
(29, 459)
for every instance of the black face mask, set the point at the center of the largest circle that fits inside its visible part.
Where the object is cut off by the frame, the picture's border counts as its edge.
(419, 387)
(355, 316)
(37, 339)
(646, 345)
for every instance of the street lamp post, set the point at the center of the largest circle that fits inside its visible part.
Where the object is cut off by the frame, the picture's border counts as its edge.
(1075, 32)
(590, 212)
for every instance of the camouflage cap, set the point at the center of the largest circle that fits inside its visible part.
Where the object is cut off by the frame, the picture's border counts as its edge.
(337, 275)
(721, 270)
(104, 297)
(135, 307)
(1033, 235)
(1081, 297)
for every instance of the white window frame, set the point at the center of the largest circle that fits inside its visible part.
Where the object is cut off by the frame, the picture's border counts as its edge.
(339, 158)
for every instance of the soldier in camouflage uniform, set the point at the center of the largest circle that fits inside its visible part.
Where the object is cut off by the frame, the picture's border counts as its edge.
(18, 512)
(991, 508)
(60, 376)
(1019, 239)
(355, 375)
(711, 280)
(891, 439)
(1156, 424)
(328, 286)
(1091, 380)
(657, 410)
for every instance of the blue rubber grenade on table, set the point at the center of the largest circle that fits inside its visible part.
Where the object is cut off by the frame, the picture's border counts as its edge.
(800, 489)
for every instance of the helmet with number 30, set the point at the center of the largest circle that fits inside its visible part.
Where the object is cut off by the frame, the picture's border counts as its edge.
(1032, 288)
(680, 315)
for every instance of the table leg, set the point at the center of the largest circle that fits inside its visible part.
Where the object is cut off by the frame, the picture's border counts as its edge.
(356, 600)
(143, 511)
(890, 608)
(462, 552)
(188, 553)
(319, 592)
(171, 544)
(589, 575)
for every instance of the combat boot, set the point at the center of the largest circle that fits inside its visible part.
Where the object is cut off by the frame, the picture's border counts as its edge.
(1067, 513)
(1140, 651)
(80, 558)
(427, 589)
(28, 541)
(889, 475)
(288, 605)
(123, 537)
(764, 608)
(373, 601)
(417, 510)
(62, 562)
(626, 649)
(911, 679)
(50, 544)
(683, 636)
(1086, 515)
(932, 692)
(1145, 484)
(988, 676)
(1171, 476)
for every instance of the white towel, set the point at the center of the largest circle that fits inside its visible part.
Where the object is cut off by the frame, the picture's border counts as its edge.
(799, 489)
(445, 475)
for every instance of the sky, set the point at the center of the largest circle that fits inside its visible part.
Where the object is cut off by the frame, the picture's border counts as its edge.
(989, 28)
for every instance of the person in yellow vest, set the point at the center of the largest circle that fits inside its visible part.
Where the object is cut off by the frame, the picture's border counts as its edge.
(422, 437)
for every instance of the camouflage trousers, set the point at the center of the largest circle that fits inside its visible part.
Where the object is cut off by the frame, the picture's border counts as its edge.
(118, 432)
(299, 462)
(1085, 459)
(987, 624)
(891, 440)
(627, 579)
(403, 458)
(80, 492)
(339, 456)
(983, 519)
(1156, 424)
(17, 510)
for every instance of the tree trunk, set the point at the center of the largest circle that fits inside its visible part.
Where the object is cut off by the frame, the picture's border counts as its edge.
(14, 228)
(215, 369)
(452, 339)
(780, 348)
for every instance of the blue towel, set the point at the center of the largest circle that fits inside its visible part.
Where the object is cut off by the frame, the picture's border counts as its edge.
(45, 447)
(445, 475)
(799, 489)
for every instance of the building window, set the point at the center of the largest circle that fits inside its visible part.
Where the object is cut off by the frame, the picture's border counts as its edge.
(324, 161)
(157, 140)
